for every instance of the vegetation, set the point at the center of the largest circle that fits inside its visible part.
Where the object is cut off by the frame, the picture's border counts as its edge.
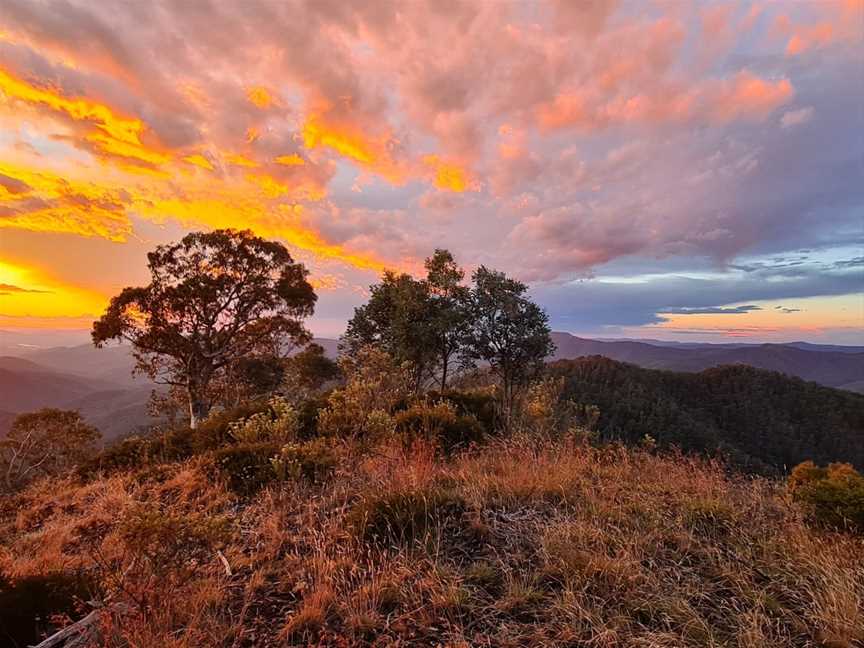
(426, 324)
(522, 541)
(833, 496)
(350, 506)
(758, 420)
(44, 443)
(214, 300)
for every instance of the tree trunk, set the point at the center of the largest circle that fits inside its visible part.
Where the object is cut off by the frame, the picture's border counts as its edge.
(198, 410)
(198, 405)
(444, 365)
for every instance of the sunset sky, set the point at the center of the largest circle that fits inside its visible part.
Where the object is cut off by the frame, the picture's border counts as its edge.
(673, 170)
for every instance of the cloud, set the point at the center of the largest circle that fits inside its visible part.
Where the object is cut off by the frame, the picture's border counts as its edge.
(796, 117)
(594, 304)
(711, 310)
(8, 289)
(550, 140)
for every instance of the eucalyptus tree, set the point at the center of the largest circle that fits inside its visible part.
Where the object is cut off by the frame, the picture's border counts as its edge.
(214, 299)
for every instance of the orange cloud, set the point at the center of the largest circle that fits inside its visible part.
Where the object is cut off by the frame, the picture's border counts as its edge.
(57, 204)
(199, 160)
(114, 134)
(372, 153)
(290, 160)
(259, 96)
(806, 38)
(448, 176)
(240, 160)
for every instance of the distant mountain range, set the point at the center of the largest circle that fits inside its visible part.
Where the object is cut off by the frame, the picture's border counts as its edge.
(830, 365)
(99, 382)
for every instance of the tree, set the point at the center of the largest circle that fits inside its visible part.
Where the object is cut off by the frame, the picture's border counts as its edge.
(46, 442)
(418, 321)
(508, 331)
(310, 369)
(449, 301)
(214, 298)
(396, 319)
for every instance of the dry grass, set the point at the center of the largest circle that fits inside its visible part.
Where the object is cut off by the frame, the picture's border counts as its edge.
(518, 543)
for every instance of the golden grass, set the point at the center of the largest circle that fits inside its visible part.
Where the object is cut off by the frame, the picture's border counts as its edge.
(555, 544)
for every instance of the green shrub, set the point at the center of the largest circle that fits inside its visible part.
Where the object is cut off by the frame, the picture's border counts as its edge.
(308, 411)
(123, 455)
(709, 517)
(404, 516)
(832, 496)
(172, 445)
(247, 467)
(279, 422)
(480, 404)
(313, 460)
(167, 539)
(440, 424)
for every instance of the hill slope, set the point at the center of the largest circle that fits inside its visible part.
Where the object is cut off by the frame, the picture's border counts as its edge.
(828, 367)
(761, 419)
(514, 544)
(26, 386)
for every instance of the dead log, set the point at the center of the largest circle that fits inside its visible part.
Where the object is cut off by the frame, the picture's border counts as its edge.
(73, 635)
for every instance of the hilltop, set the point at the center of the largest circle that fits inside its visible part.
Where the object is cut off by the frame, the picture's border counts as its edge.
(522, 542)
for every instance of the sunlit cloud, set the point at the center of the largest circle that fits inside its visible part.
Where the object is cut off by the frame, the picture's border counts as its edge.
(554, 140)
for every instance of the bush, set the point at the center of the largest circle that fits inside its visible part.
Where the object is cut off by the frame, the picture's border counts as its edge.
(248, 467)
(313, 460)
(709, 517)
(307, 412)
(279, 422)
(404, 516)
(172, 445)
(479, 403)
(374, 384)
(832, 496)
(440, 424)
(131, 452)
(486, 577)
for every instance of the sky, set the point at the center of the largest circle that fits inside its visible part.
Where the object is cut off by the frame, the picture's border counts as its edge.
(672, 170)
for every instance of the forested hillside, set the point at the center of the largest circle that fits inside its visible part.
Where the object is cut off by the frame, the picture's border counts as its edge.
(759, 419)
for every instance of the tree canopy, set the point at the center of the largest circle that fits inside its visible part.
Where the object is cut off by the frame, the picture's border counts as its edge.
(434, 322)
(214, 299)
(506, 330)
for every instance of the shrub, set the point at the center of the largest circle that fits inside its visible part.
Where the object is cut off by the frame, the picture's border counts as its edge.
(248, 467)
(440, 424)
(313, 460)
(44, 443)
(159, 552)
(709, 517)
(832, 496)
(129, 453)
(279, 422)
(171, 445)
(374, 384)
(404, 516)
(479, 403)
(307, 413)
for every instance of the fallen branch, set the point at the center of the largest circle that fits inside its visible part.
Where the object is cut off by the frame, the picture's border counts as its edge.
(76, 632)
